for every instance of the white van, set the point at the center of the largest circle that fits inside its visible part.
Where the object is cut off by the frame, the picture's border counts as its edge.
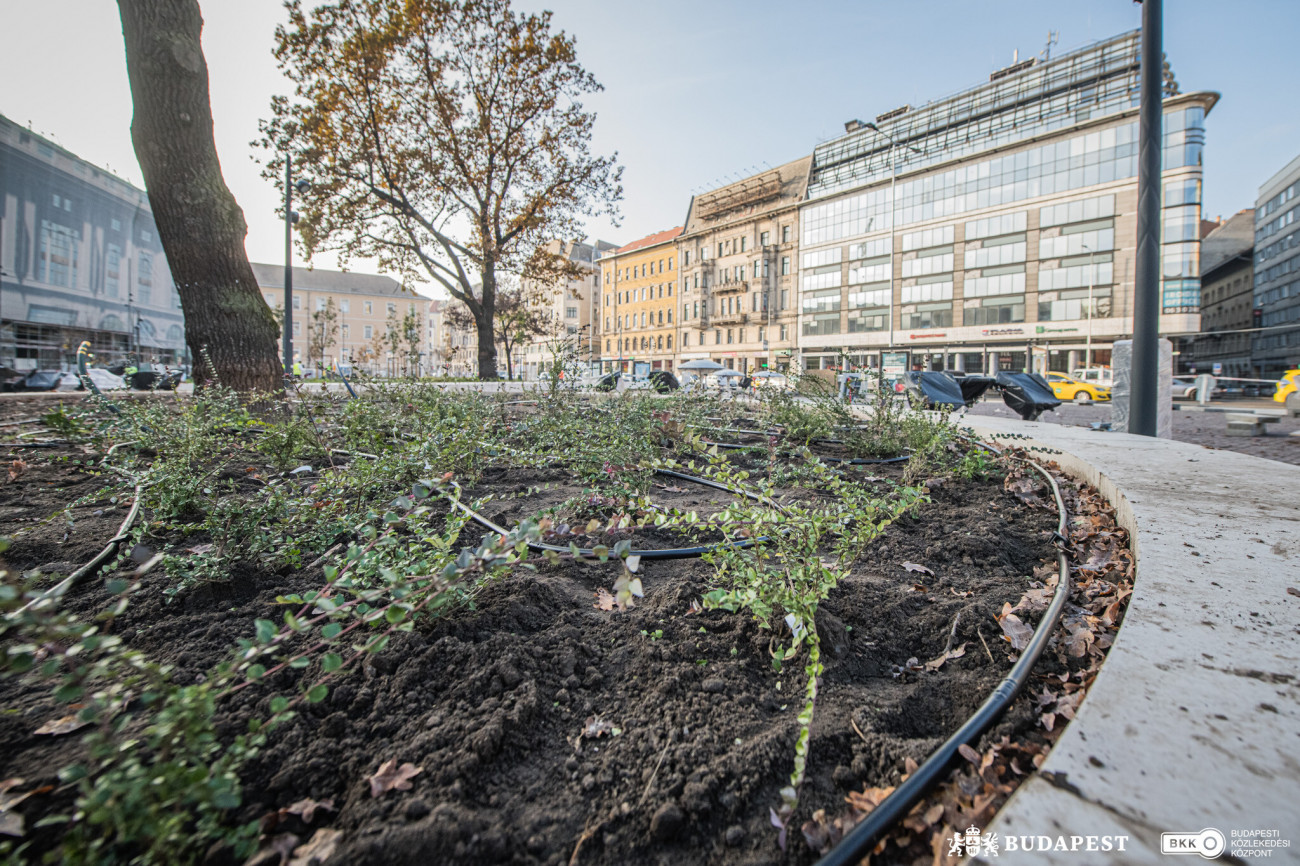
(1102, 376)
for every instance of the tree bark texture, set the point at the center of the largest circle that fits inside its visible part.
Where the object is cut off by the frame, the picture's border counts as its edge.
(229, 329)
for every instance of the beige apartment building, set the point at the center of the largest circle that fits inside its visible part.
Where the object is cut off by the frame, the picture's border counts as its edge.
(346, 318)
(569, 309)
(739, 258)
(637, 331)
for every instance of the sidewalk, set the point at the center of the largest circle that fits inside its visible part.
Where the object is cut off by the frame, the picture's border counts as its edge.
(1194, 720)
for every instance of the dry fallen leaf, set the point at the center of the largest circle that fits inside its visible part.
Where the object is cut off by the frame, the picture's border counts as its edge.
(65, 725)
(1013, 629)
(1291, 590)
(306, 808)
(919, 569)
(318, 850)
(17, 468)
(604, 601)
(955, 653)
(391, 777)
(595, 727)
(274, 851)
(11, 824)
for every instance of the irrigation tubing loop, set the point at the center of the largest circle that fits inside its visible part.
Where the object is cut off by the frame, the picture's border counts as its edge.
(862, 839)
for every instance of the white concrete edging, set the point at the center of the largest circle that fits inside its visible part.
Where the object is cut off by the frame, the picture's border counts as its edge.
(1194, 719)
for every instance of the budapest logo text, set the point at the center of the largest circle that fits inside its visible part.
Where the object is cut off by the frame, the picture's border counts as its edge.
(973, 843)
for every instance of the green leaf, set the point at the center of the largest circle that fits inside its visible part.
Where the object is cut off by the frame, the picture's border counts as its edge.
(256, 672)
(331, 631)
(394, 614)
(279, 704)
(317, 693)
(331, 662)
(266, 630)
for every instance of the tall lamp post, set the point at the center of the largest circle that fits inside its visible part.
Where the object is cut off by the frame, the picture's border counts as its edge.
(893, 222)
(290, 217)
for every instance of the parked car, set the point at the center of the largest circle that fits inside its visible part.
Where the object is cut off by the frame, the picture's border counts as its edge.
(1102, 376)
(1070, 388)
(1185, 389)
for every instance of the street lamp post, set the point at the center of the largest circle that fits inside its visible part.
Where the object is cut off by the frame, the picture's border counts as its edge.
(290, 217)
(893, 222)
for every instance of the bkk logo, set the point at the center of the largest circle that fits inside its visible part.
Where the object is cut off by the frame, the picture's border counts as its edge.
(1209, 843)
(973, 843)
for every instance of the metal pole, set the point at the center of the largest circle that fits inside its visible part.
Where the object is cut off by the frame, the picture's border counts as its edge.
(1146, 300)
(893, 178)
(288, 264)
(1087, 357)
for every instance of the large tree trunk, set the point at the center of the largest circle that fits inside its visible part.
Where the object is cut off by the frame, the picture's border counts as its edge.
(484, 321)
(229, 329)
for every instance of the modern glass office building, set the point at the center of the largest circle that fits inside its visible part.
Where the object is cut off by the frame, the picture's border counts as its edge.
(1277, 273)
(998, 223)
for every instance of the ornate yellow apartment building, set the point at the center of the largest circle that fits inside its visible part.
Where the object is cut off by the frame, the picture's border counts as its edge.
(638, 326)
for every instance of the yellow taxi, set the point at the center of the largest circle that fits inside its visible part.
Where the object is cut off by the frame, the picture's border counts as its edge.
(1288, 391)
(1069, 388)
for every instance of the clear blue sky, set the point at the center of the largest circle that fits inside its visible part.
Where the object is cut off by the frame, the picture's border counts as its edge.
(697, 91)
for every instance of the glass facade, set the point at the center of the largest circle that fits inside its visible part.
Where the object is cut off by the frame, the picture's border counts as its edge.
(1277, 274)
(1070, 164)
(1088, 84)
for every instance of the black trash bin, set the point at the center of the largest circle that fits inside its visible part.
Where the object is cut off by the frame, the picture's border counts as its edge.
(1027, 394)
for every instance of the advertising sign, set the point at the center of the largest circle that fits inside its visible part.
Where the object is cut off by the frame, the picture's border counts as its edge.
(893, 363)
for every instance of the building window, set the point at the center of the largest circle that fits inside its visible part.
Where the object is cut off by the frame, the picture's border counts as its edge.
(742, 244)
(785, 266)
(765, 238)
(370, 308)
(670, 341)
(145, 279)
(392, 307)
(345, 307)
(297, 328)
(570, 312)
(320, 304)
(345, 331)
(369, 331)
(297, 302)
(112, 269)
(717, 337)
(729, 333)
(686, 340)
(785, 234)
(785, 332)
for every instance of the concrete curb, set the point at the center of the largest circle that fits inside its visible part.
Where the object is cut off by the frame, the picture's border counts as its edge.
(1194, 719)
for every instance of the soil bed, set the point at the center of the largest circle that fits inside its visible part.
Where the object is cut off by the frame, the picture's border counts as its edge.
(492, 702)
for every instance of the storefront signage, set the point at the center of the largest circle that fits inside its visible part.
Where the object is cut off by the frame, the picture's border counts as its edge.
(938, 336)
(893, 363)
(1044, 330)
(1002, 332)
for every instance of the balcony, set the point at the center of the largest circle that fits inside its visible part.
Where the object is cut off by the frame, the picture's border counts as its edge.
(724, 319)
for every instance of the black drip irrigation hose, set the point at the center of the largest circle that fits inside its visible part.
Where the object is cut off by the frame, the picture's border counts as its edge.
(667, 553)
(862, 839)
(123, 533)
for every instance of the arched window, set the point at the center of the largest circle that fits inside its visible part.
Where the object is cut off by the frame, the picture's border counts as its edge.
(112, 323)
(147, 330)
(175, 334)
(670, 341)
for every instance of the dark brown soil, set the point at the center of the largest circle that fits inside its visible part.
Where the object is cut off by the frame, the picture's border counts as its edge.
(491, 702)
